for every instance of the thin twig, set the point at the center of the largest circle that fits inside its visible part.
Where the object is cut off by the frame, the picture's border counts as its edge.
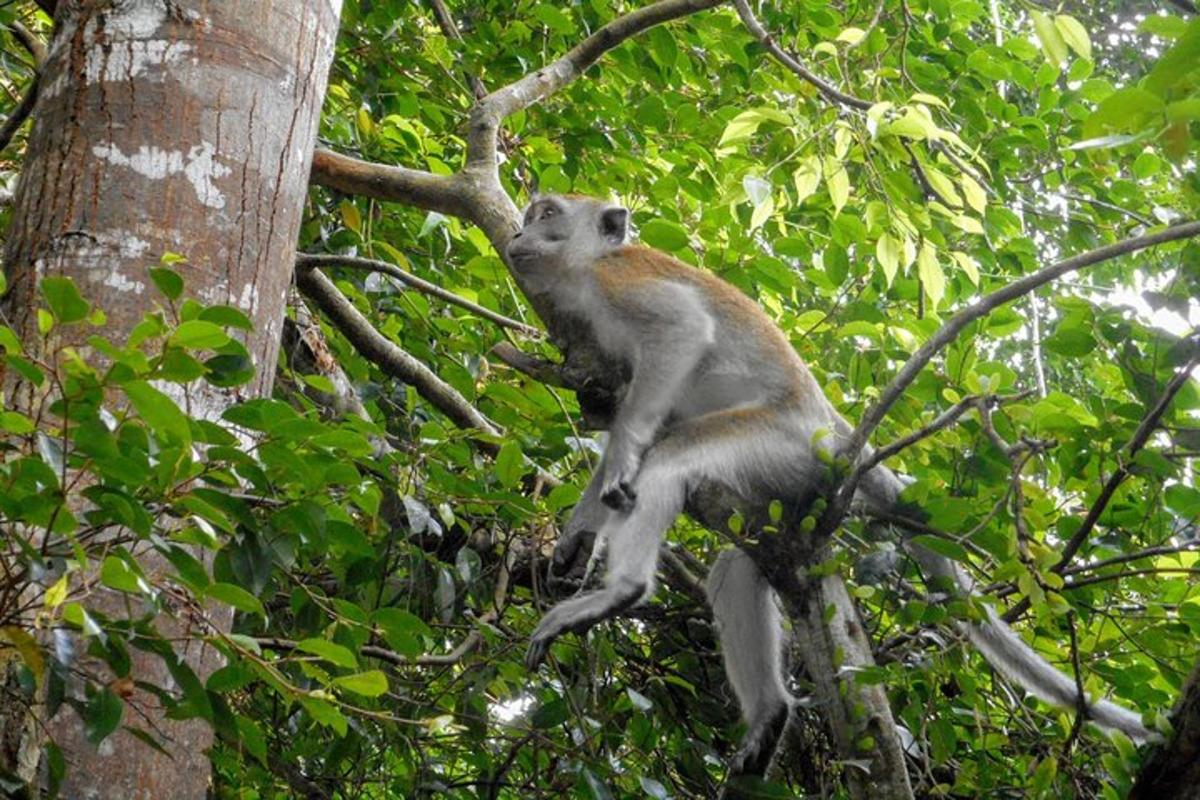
(311, 260)
(1081, 704)
(823, 86)
(449, 27)
(941, 422)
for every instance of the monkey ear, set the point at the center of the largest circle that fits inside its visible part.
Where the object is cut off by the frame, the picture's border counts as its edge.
(614, 225)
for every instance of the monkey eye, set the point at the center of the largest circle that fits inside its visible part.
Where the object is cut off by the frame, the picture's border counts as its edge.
(547, 212)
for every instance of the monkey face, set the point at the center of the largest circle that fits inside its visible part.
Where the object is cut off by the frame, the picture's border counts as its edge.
(560, 232)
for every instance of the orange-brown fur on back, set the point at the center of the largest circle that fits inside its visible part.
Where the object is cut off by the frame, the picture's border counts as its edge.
(625, 274)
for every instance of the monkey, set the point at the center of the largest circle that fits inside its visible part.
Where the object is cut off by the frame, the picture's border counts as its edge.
(717, 394)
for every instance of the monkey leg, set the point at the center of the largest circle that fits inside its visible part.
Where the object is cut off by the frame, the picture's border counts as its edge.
(747, 449)
(574, 547)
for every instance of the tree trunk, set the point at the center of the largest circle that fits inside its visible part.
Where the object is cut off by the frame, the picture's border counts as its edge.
(168, 126)
(1172, 769)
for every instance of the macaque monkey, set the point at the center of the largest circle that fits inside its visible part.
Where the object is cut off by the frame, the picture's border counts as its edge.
(717, 395)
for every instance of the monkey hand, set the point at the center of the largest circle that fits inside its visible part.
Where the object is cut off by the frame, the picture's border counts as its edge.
(572, 553)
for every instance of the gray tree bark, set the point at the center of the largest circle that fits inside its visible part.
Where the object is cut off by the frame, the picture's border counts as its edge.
(167, 126)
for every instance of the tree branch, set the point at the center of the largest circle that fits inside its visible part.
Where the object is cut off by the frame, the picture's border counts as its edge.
(953, 327)
(389, 357)
(309, 260)
(413, 187)
(493, 109)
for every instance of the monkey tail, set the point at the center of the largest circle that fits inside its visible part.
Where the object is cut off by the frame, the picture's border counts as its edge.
(751, 635)
(995, 640)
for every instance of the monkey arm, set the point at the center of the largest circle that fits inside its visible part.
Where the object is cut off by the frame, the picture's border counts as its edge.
(671, 329)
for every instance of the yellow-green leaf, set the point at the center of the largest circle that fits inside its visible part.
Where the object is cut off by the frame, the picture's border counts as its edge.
(975, 195)
(969, 266)
(887, 250)
(57, 593)
(762, 212)
(1052, 41)
(930, 272)
(1075, 35)
(838, 183)
(944, 187)
(807, 178)
(851, 35)
(371, 683)
(351, 217)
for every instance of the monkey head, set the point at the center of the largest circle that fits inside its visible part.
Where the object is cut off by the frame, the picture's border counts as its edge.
(562, 232)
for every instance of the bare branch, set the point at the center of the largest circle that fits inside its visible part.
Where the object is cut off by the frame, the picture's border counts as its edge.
(389, 357)
(826, 88)
(950, 331)
(488, 114)
(309, 260)
(414, 187)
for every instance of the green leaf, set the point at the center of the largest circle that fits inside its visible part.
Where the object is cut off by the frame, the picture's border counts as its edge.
(509, 464)
(199, 335)
(402, 630)
(16, 423)
(116, 574)
(159, 412)
(226, 317)
(326, 714)
(1178, 64)
(168, 281)
(372, 683)
(951, 550)
(664, 235)
(330, 651)
(64, 300)
(102, 715)
(237, 597)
